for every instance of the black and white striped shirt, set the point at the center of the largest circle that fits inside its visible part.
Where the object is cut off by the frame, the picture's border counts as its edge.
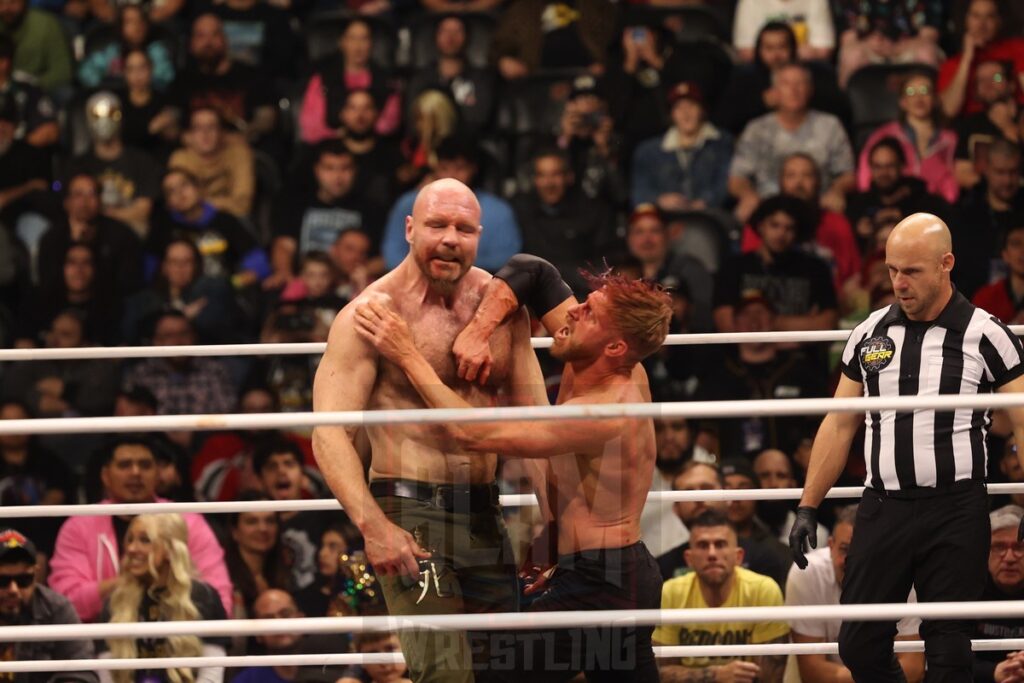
(963, 351)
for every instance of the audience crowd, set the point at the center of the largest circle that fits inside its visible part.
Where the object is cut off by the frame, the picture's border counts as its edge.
(212, 171)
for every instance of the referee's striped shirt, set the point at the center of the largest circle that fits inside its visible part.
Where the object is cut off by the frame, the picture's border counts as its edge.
(963, 351)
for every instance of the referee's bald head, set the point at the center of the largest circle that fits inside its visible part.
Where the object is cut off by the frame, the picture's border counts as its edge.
(922, 230)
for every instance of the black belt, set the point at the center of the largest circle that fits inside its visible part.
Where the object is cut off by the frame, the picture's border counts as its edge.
(450, 497)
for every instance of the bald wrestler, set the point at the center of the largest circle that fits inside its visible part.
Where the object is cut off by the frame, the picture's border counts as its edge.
(598, 471)
(429, 515)
(923, 518)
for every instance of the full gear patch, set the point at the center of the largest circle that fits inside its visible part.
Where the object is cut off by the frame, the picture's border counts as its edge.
(876, 353)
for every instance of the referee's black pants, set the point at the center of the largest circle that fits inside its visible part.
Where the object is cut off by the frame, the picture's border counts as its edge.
(936, 543)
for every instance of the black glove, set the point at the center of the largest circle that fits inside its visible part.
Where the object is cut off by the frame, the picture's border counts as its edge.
(1020, 530)
(805, 530)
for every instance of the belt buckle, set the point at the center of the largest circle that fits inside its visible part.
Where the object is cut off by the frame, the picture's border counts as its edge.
(442, 497)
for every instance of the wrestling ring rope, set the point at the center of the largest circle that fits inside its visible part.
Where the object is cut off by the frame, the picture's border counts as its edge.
(503, 621)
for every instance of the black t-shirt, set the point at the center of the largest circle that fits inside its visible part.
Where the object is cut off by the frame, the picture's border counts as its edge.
(375, 178)
(220, 237)
(986, 629)
(135, 121)
(21, 163)
(132, 175)
(207, 602)
(794, 282)
(236, 93)
(561, 45)
(974, 135)
(259, 37)
(315, 224)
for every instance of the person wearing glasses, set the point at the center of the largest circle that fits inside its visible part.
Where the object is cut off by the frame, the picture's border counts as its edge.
(1005, 582)
(23, 601)
(929, 147)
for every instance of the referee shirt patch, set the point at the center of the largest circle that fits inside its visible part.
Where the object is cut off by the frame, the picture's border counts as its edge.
(876, 353)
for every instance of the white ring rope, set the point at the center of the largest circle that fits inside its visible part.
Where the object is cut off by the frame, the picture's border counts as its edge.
(517, 621)
(345, 659)
(332, 505)
(316, 348)
(364, 418)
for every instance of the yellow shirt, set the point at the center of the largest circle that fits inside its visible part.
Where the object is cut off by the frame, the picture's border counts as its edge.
(749, 589)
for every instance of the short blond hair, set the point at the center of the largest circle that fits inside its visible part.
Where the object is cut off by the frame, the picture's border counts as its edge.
(641, 310)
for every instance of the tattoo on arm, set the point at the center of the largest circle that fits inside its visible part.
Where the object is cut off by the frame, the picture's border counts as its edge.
(773, 666)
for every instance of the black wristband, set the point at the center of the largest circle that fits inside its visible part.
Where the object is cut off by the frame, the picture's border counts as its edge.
(535, 282)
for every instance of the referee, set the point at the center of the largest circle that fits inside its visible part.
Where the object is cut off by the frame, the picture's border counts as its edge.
(923, 519)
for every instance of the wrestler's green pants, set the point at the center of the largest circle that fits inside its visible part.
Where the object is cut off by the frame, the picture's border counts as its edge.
(471, 571)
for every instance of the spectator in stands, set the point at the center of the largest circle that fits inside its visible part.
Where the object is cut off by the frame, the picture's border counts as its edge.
(158, 582)
(638, 85)
(350, 257)
(147, 119)
(107, 65)
(181, 284)
(891, 33)
(820, 583)
(796, 284)
(737, 474)
(559, 222)
(792, 127)
(696, 474)
(586, 132)
(774, 470)
(255, 555)
(990, 209)
(183, 385)
(350, 68)
(87, 555)
(928, 146)
(324, 596)
(313, 220)
(93, 309)
(157, 13)
(24, 168)
(649, 242)
(278, 604)
(307, 306)
(31, 474)
(500, 240)
(25, 602)
(1005, 582)
(833, 240)
(117, 250)
(228, 249)
(377, 673)
(717, 581)
(260, 35)
(751, 93)
(471, 88)
(995, 90)
(1004, 298)
(222, 468)
(760, 371)
(533, 35)
(983, 40)
(673, 370)
(376, 157)
(811, 21)
(220, 161)
(688, 166)
(889, 188)
(128, 177)
(211, 79)
(40, 46)
(56, 388)
(278, 463)
(432, 118)
(1011, 471)
(34, 113)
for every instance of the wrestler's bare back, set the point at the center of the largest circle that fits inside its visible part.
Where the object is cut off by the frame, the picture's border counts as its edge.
(597, 498)
(411, 451)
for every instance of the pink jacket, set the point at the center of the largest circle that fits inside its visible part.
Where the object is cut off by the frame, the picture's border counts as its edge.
(86, 554)
(935, 169)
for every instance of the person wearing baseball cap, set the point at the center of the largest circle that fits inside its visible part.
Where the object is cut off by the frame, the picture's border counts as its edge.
(686, 168)
(1005, 582)
(23, 601)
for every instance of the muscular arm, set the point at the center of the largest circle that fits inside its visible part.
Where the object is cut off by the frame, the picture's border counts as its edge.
(344, 381)
(772, 666)
(831, 446)
(818, 668)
